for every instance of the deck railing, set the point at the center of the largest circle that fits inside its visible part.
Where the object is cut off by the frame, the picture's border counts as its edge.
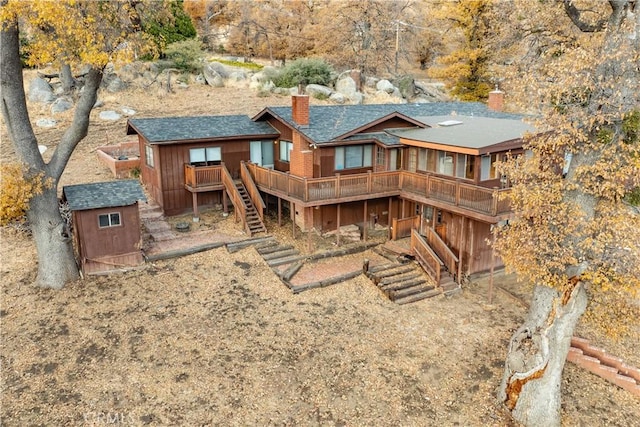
(252, 190)
(202, 176)
(488, 201)
(401, 228)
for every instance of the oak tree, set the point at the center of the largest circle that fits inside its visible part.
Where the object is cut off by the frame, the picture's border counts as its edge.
(574, 234)
(102, 32)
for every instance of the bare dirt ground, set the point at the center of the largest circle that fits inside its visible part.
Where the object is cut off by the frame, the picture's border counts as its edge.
(216, 339)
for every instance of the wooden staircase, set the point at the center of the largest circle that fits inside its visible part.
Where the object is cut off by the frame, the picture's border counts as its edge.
(252, 218)
(403, 283)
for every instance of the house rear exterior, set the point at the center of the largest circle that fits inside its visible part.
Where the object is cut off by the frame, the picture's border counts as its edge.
(396, 165)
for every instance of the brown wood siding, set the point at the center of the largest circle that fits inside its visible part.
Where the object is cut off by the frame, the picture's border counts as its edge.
(172, 158)
(388, 124)
(326, 218)
(286, 133)
(150, 176)
(96, 242)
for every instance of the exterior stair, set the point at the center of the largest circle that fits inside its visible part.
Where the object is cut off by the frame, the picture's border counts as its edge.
(403, 283)
(252, 219)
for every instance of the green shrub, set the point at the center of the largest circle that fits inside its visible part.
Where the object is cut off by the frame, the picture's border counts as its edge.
(305, 71)
(185, 55)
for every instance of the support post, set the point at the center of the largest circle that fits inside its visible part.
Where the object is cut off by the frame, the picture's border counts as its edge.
(389, 219)
(460, 246)
(279, 212)
(225, 203)
(196, 214)
(493, 259)
(293, 218)
(338, 225)
(310, 229)
(365, 222)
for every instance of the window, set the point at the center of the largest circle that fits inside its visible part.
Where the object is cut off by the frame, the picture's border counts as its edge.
(353, 156)
(285, 150)
(464, 166)
(148, 155)
(413, 159)
(445, 163)
(488, 167)
(109, 220)
(205, 156)
(380, 156)
(427, 159)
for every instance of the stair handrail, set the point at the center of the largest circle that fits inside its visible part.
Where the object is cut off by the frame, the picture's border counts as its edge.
(442, 250)
(235, 196)
(252, 189)
(428, 259)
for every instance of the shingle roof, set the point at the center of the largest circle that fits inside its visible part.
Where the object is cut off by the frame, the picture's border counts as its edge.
(172, 129)
(326, 123)
(470, 132)
(103, 194)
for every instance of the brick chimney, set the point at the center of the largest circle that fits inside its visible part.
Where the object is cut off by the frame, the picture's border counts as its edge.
(300, 107)
(496, 100)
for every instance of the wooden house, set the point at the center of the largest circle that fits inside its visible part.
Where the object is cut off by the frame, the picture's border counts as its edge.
(106, 224)
(395, 164)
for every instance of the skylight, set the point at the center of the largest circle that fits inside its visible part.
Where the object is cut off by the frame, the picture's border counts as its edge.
(450, 123)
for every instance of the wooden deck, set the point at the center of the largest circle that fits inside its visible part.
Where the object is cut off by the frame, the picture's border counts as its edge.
(486, 204)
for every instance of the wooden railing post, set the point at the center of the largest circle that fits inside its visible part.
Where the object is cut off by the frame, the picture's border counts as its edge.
(369, 181)
(494, 207)
(337, 195)
(457, 192)
(306, 189)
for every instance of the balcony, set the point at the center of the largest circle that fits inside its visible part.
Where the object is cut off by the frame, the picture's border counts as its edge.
(203, 178)
(486, 204)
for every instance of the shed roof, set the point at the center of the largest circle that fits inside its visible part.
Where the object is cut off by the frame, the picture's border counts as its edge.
(467, 131)
(330, 122)
(181, 129)
(103, 194)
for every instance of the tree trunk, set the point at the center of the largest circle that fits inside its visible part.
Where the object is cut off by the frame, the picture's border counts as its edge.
(68, 82)
(52, 236)
(530, 387)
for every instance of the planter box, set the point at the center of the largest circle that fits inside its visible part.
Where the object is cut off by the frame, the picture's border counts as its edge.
(121, 159)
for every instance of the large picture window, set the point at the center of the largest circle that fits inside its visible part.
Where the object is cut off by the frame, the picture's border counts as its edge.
(205, 156)
(353, 156)
(285, 150)
(109, 220)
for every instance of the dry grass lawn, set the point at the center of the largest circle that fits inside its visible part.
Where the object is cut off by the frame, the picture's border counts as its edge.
(216, 339)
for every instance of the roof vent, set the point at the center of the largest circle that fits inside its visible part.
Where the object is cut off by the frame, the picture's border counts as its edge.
(448, 123)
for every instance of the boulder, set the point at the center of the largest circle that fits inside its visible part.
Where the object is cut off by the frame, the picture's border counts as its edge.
(319, 90)
(222, 70)
(346, 86)
(46, 123)
(338, 98)
(40, 91)
(237, 76)
(116, 84)
(406, 85)
(61, 105)
(212, 77)
(200, 79)
(385, 85)
(109, 115)
(99, 103)
(128, 111)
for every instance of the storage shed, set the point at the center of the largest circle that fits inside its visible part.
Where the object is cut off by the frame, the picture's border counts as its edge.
(106, 224)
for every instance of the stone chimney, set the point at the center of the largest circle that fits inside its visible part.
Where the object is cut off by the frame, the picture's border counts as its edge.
(496, 100)
(300, 107)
